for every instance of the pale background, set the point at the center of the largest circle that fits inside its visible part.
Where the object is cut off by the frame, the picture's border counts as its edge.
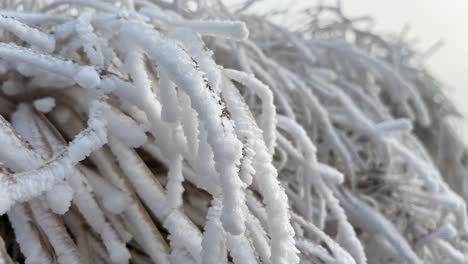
(430, 21)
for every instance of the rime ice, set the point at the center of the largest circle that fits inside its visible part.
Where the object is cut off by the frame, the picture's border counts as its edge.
(193, 132)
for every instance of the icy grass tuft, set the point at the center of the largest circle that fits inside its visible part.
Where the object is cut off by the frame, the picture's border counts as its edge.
(194, 132)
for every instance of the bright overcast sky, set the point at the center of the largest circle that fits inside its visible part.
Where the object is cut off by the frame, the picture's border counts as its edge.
(430, 20)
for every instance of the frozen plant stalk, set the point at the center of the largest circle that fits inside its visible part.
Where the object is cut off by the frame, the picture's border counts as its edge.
(193, 132)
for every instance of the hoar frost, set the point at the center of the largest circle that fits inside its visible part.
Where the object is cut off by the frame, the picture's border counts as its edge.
(194, 132)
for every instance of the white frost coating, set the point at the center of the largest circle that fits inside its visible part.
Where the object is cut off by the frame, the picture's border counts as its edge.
(214, 237)
(155, 248)
(267, 119)
(45, 104)
(84, 200)
(28, 34)
(259, 238)
(114, 200)
(281, 232)
(242, 118)
(143, 180)
(85, 76)
(346, 235)
(25, 126)
(124, 157)
(11, 87)
(196, 48)
(64, 248)
(359, 212)
(59, 198)
(170, 110)
(5, 200)
(226, 147)
(27, 235)
(90, 42)
(125, 129)
(151, 191)
(225, 29)
(120, 227)
(180, 256)
(315, 250)
(141, 94)
(341, 255)
(241, 249)
(180, 228)
(138, 220)
(175, 179)
(347, 101)
(399, 125)
(170, 113)
(236, 30)
(32, 183)
(33, 18)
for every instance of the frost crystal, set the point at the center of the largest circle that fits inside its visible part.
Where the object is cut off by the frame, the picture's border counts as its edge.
(45, 104)
(194, 132)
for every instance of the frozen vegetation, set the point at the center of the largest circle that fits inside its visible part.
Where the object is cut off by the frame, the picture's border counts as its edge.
(145, 131)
